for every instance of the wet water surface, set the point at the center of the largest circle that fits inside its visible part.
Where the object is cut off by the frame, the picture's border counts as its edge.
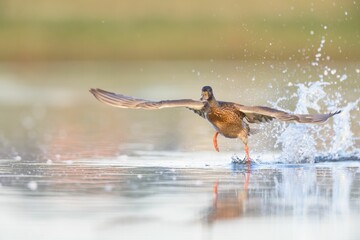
(108, 198)
(72, 168)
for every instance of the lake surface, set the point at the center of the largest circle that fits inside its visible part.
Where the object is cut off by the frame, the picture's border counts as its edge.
(73, 168)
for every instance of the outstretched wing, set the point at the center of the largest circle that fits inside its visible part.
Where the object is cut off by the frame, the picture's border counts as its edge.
(257, 114)
(122, 101)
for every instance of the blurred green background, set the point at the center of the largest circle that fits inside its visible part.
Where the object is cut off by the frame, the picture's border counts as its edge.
(156, 29)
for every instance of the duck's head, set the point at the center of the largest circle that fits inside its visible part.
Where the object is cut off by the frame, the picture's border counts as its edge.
(206, 93)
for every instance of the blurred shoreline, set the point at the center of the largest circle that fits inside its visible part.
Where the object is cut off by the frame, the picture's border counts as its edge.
(111, 30)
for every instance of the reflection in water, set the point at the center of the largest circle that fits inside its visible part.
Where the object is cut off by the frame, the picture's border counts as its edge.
(342, 184)
(291, 190)
(119, 195)
(229, 205)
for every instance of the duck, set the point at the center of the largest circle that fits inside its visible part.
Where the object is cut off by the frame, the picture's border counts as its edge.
(229, 119)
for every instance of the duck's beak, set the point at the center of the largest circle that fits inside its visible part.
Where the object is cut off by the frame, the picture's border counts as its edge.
(202, 97)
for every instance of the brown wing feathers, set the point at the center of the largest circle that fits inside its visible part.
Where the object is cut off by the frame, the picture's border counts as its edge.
(253, 114)
(263, 114)
(122, 101)
(314, 118)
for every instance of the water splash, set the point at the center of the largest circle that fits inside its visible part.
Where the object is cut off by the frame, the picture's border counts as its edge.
(344, 140)
(332, 141)
(319, 142)
(298, 145)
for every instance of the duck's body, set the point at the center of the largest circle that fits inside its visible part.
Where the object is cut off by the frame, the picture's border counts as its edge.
(225, 119)
(227, 123)
(229, 119)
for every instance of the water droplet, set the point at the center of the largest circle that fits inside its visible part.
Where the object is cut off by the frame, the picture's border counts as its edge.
(198, 183)
(314, 64)
(108, 187)
(32, 185)
(69, 162)
(343, 77)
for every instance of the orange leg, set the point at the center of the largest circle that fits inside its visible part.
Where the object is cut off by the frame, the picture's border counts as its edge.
(247, 153)
(215, 141)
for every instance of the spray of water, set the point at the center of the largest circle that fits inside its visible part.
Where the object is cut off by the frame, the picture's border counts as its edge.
(331, 141)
